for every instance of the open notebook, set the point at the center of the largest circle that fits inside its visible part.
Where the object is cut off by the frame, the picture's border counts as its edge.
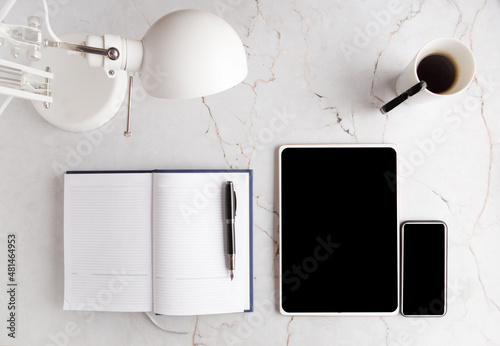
(155, 241)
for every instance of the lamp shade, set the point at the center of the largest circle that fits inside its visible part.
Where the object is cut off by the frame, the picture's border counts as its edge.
(191, 53)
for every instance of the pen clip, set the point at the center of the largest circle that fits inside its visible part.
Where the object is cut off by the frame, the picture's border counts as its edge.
(235, 202)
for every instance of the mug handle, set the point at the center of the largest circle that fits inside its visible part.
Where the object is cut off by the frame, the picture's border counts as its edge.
(403, 97)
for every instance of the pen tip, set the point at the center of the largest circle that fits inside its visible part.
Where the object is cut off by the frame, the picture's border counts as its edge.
(232, 276)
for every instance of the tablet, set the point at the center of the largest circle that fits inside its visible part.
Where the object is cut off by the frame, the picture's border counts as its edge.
(339, 233)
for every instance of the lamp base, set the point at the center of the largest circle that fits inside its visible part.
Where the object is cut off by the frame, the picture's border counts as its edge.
(85, 98)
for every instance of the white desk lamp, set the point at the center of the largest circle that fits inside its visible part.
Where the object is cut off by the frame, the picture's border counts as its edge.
(185, 54)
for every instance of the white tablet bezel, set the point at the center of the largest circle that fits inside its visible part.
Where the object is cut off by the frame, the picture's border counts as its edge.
(338, 314)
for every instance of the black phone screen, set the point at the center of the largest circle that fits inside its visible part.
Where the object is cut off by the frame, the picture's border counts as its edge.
(424, 269)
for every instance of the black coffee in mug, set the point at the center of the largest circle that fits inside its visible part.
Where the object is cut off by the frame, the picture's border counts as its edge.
(439, 71)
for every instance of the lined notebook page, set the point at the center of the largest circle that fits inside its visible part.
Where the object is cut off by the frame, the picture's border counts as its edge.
(107, 242)
(190, 267)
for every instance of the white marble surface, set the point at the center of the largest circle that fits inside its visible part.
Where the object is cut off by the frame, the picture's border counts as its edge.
(318, 71)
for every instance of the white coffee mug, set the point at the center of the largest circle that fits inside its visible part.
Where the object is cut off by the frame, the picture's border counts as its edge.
(411, 87)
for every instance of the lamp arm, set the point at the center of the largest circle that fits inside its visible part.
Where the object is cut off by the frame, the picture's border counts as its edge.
(25, 82)
(112, 53)
(110, 58)
(127, 132)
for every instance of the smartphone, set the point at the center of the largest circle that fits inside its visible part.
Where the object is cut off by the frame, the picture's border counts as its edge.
(423, 268)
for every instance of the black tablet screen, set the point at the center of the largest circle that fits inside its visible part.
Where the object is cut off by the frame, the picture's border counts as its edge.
(339, 230)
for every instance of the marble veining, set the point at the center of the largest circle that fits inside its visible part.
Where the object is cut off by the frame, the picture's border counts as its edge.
(318, 72)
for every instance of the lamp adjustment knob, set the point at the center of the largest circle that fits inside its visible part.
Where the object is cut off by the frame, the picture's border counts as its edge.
(113, 53)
